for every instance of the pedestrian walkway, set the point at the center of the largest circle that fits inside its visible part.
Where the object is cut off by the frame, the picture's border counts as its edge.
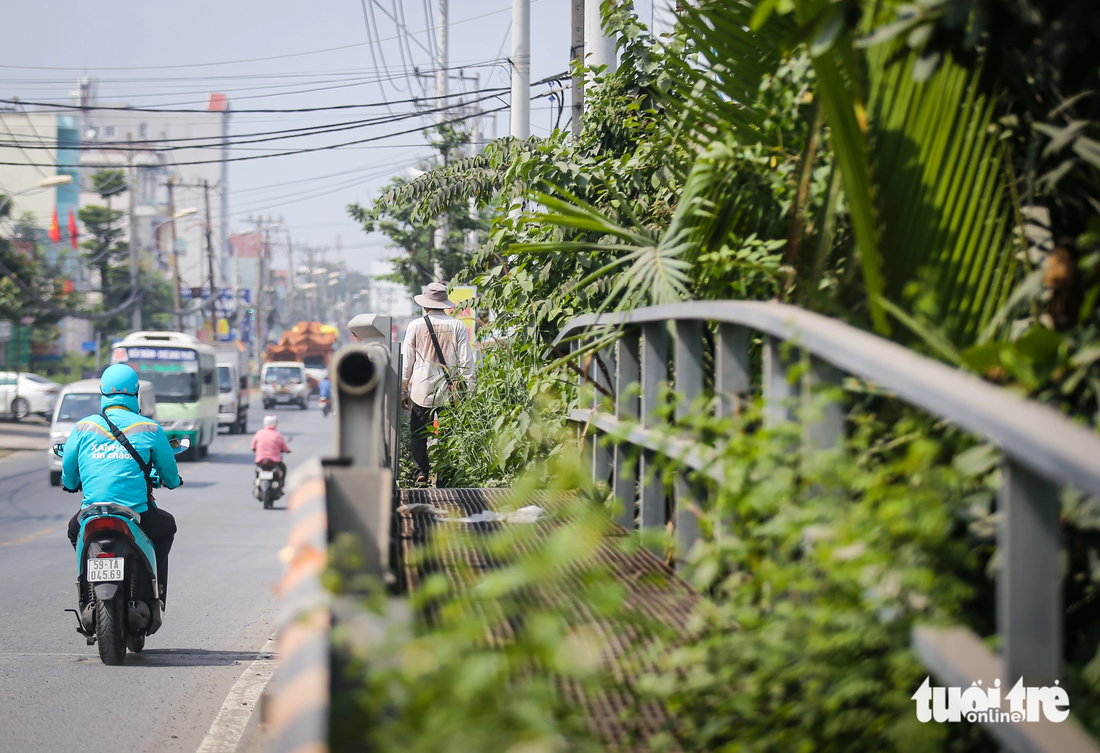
(652, 588)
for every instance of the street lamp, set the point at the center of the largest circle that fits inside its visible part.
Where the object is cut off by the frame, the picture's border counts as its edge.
(50, 182)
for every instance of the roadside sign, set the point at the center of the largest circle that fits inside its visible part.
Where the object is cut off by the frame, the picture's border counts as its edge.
(88, 345)
(5, 330)
(460, 294)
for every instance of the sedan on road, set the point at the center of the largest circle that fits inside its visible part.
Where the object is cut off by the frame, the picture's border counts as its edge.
(24, 394)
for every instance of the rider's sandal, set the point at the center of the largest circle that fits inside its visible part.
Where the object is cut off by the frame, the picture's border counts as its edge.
(421, 481)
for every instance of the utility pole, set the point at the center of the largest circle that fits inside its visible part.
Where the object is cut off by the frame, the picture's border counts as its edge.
(521, 69)
(210, 260)
(135, 315)
(261, 348)
(599, 49)
(576, 57)
(441, 72)
(175, 256)
(441, 82)
(223, 190)
(291, 274)
(663, 20)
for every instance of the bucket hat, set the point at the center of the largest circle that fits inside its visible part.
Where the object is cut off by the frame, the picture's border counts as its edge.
(435, 297)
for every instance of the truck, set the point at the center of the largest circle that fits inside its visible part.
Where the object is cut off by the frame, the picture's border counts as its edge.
(310, 343)
(233, 389)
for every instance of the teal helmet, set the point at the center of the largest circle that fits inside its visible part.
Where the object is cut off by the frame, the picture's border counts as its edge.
(119, 386)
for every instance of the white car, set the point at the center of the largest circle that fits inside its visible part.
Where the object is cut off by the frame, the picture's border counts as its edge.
(26, 394)
(80, 400)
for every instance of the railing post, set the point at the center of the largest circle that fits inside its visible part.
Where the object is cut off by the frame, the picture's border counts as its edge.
(822, 429)
(778, 391)
(601, 453)
(688, 363)
(654, 376)
(627, 407)
(1029, 588)
(732, 378)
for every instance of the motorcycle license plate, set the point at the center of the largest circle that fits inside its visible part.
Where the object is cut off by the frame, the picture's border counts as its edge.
(105, 569)
(265, 475)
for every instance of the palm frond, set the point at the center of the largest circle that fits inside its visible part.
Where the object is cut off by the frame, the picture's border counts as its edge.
(942, 191)
(714, 86)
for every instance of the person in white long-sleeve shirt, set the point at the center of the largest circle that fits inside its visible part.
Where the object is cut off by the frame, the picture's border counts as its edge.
(424, 386)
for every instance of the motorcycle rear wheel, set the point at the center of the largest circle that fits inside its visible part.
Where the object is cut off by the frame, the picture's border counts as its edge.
(110, 632)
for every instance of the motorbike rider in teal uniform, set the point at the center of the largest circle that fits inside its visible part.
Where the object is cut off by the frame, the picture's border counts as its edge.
(99, 465)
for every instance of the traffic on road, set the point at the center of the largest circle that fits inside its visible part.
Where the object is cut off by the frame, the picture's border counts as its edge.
(90, 640)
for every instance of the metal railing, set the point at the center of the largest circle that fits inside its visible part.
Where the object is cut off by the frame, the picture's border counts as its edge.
(1042, 450)
(349, 494)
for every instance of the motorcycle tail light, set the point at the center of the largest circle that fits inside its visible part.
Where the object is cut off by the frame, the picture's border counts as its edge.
(97, 526)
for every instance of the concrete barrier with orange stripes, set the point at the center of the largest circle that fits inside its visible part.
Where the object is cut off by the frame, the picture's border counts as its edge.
(297, 701)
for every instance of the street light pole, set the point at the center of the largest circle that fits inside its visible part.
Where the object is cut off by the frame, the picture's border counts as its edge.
(172, 217)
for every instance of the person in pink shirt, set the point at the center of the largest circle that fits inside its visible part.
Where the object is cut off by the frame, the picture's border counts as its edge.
(270, 444)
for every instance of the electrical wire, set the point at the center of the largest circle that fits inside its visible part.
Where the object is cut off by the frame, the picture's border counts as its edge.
(237, 62)
(373, 59)
(286, 133)
(176, 110)
(307, 150)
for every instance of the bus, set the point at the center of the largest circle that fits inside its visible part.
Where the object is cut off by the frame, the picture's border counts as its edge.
(184, 376)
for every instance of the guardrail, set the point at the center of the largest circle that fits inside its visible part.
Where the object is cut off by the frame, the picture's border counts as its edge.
(348, 494)
(1041, 449)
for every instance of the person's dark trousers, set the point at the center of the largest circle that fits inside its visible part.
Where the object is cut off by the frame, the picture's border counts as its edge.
(421, 422)
(160, 527)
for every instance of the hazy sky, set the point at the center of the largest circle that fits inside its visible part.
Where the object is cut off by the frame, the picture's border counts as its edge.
(161, 54)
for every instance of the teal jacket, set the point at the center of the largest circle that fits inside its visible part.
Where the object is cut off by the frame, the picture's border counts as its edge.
(94, 459)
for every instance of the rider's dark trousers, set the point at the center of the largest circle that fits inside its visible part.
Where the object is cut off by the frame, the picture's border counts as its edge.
(160, 527)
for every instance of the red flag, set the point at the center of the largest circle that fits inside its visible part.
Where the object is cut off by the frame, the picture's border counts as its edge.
(73, 231)
(55, 228)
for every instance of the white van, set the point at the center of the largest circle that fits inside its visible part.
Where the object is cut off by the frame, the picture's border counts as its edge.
(79, 400)
(285, 382)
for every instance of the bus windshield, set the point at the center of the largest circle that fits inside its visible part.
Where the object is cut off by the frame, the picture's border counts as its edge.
(174, 372)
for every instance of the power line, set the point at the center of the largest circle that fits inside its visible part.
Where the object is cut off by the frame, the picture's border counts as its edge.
(306, 150)
(216, 142)
(236, 62)
(172, 110)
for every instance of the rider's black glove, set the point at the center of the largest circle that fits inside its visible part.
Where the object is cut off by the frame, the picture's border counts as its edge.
(74, 491)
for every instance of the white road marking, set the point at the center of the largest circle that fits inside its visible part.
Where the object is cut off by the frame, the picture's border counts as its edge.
(229, 726)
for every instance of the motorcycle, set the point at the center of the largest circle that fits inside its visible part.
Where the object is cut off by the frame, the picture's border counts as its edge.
(269, 482)
(118, 595)
(326, 406)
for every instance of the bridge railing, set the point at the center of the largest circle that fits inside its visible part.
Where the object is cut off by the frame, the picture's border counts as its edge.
(348, 495)
(1042, 450)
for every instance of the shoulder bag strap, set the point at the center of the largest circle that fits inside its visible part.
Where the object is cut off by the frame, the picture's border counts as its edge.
(438, 351)
(145, 465)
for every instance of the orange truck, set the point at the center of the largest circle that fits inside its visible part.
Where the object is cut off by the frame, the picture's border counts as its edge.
(312, 343)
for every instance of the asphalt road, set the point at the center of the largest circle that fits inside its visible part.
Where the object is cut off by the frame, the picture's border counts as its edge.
(55, 694)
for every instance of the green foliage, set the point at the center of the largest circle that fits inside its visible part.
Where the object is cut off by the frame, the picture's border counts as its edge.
(413, 232)
(109, 182)
(491, 434)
